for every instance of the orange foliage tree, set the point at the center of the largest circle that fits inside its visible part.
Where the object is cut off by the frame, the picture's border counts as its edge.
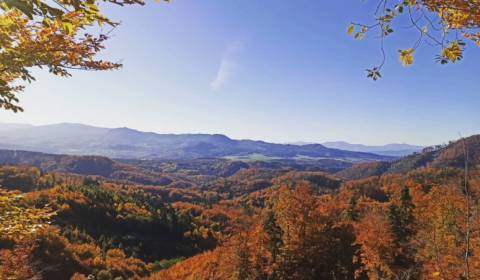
(49, 34)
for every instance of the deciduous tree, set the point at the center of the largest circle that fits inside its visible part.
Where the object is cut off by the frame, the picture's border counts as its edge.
(51, 35)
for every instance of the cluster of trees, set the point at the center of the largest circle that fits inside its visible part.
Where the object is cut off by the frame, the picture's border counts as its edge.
(26, 178)
(83, 227)
(415, 226)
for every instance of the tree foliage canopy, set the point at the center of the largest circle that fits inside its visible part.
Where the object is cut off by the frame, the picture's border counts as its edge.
(18, 220)
(444, 24)
(52, 35)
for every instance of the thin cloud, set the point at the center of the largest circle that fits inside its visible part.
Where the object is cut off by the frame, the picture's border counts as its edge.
(225, 71)
(227, 66)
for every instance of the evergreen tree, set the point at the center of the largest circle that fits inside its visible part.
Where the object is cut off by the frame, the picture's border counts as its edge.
(402, 221)
(351, 213)
(242, 261)
(401, 217)
(274, 232)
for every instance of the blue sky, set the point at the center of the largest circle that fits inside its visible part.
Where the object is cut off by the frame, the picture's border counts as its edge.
(273, 70)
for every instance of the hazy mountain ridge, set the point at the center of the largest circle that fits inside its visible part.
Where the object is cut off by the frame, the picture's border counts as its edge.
(394, 149)
(78, 139)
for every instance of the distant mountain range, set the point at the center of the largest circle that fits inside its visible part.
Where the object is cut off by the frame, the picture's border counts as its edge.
(396, 150)
(126, 143)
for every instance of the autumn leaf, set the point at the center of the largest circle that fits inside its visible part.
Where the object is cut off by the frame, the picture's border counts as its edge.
(453, 52)
(406, 56)
(350, 29)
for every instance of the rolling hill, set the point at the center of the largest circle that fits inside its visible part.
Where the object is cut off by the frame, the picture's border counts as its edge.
(87, 165)
(178, 173)
(126, 143)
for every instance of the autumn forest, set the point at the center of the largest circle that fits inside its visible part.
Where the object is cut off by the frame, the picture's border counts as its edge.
(84, 202)
(417, 220)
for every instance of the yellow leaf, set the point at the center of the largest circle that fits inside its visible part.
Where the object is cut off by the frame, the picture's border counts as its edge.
(350, 29)
(436, 274)
(68, 27)
(453, 52)
(406, 56)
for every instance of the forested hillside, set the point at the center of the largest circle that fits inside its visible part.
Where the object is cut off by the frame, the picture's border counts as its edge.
(451, 155)
(233, 220)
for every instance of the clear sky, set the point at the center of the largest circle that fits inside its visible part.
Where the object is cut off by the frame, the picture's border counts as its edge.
(273, 70)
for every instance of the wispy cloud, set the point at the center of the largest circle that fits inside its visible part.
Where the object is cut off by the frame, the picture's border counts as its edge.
(225, 71)
(227, 67)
